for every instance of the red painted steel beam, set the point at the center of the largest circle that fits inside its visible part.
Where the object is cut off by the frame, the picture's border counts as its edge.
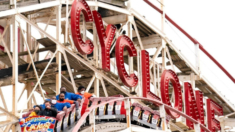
(192, 39)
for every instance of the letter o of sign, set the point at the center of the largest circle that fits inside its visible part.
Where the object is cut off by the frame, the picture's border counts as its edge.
(122, 42)
(79, 6)
(167, 76)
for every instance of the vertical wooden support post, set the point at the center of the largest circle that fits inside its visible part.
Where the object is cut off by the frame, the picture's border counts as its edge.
(192, 79)
(58, 55)
(129, 33)
(128, 112)
(96, 57)
(28, 85)
(158, 81)
(8, 37)
(183, 98)
(163, 42)
(28, 29)
(140, 94)
(163, 55)
(29, 90)
(97, 87)
(13, 3)
(163, 116)
(58, 75)
(197, 52)
(222, 125)
(14, 68)
(3, 101)
(154, 78)
(197, 127)
(92, 117)
(66, 23)
(93, 113)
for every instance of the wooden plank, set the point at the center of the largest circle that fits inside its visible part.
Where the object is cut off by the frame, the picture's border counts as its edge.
(8, 113)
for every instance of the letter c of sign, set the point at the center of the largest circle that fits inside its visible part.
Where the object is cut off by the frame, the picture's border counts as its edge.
(79, 6)
(167, 76)
(125, 42)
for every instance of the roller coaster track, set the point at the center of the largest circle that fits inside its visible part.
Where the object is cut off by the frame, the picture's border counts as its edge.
(156, 102)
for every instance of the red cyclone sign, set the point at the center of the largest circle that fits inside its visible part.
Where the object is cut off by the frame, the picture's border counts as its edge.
(78, 7)
(167, 76)
(194, 106)
(125, 42)
(193, 103)
(106, 39)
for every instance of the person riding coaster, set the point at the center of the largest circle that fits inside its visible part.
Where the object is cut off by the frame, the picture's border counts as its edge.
(81, 92)
(71, 98)
(36, 110)
(57, 105)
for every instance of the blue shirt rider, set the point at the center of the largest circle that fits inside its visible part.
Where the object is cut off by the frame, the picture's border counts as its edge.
(55, 104)
(69, 96)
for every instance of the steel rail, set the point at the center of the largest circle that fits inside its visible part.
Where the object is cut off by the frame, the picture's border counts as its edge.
(192, 39)
(157, 102)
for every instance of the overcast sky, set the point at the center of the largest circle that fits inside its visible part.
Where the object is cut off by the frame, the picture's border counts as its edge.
(211, 22)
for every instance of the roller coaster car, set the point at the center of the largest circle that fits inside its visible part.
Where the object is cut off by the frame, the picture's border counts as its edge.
(136, 110)
(112, 110)
(151, 118)
(145, 116)
(59, 121)
(156, 120)
(27, 114)
(72, 114)
(66, 119)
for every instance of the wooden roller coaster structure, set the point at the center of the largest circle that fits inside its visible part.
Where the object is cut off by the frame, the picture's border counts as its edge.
(103, 45)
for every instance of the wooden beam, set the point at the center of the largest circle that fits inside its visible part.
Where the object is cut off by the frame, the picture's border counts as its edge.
(117, 19)
(7, 129)
(151, 41)
(70, 72)
(8, 122)
(3, 99)
(38, 51)
(29, 90)
(59, 54)
(14, 38)
(209, 94)
(169, 57)
(104, 88)
(176, 62)
(8, 113)
(185, 69)
(3, 114)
